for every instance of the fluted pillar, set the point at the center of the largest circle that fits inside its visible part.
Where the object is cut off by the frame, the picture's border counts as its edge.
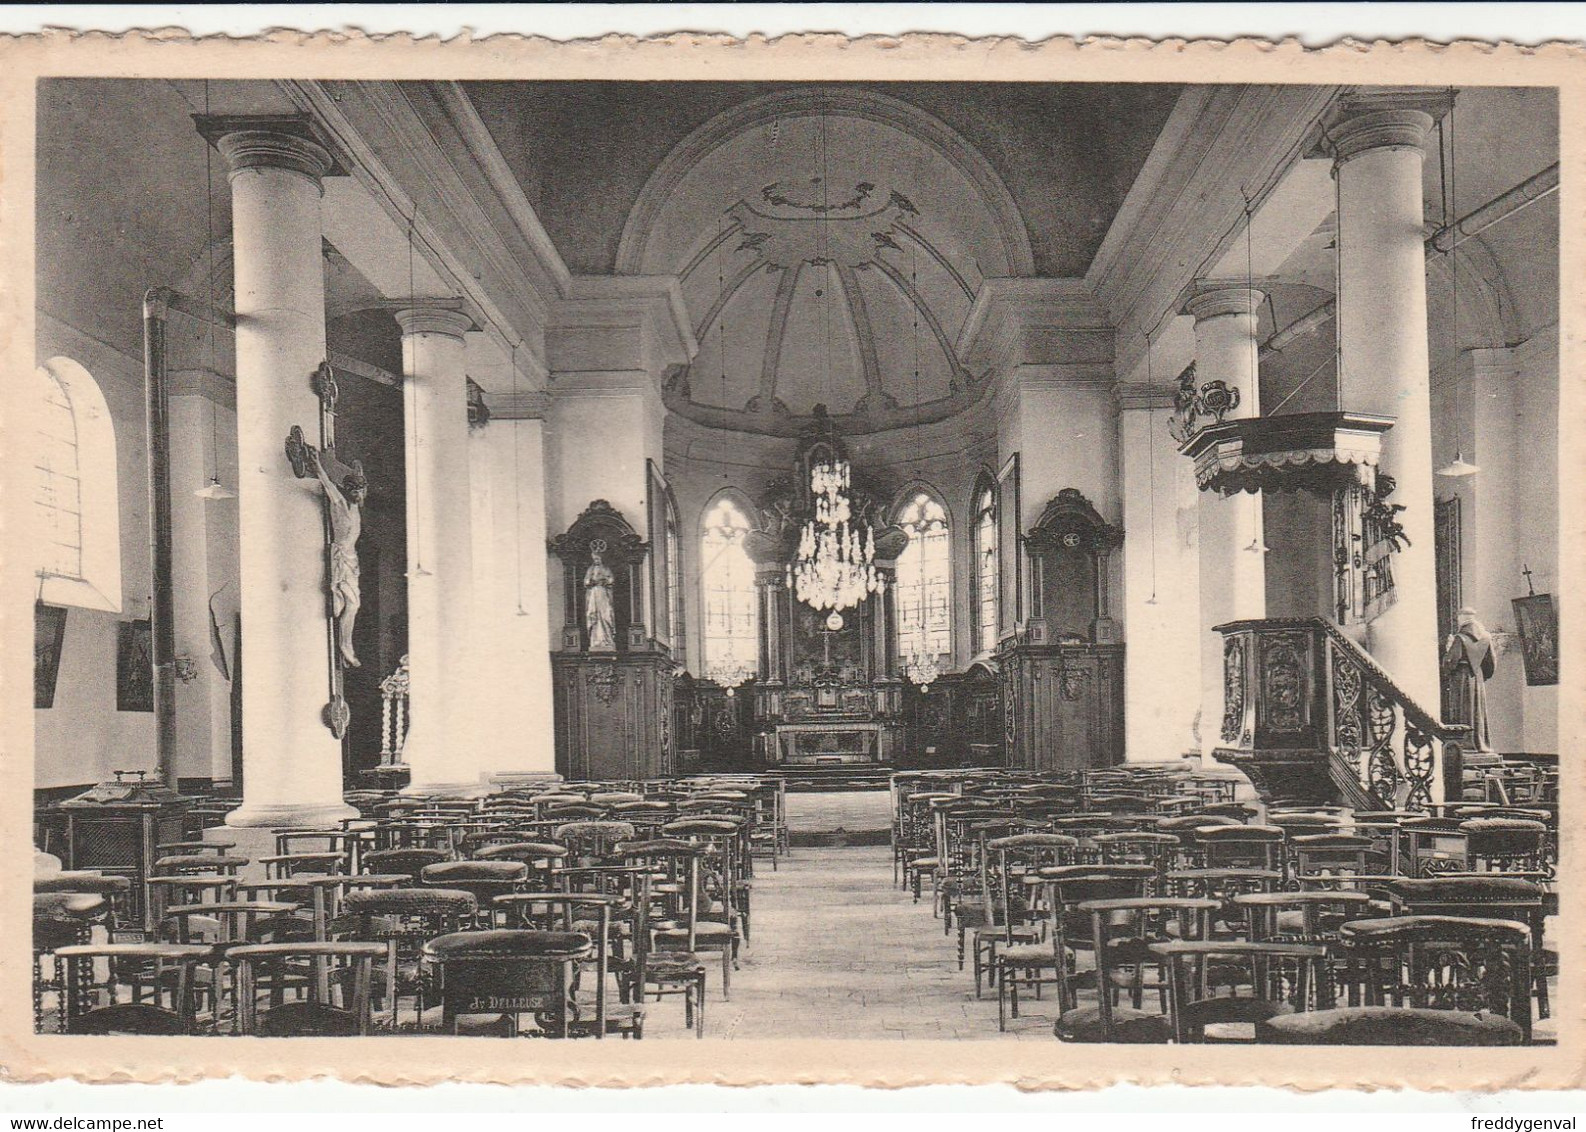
(292, 764)
(1232, 556)
(1376, 145)
(447, 751)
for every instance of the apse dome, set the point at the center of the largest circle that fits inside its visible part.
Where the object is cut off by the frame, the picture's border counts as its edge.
(830, 245)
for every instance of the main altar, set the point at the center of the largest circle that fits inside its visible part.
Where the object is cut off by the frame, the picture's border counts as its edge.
(826, 692)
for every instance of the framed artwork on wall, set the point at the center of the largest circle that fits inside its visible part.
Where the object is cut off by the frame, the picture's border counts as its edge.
(1537, 621)
(134, 666)
(49, 634)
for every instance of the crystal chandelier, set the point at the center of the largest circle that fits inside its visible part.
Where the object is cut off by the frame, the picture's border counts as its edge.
(835, 568)
(730, 673)
(921, 667)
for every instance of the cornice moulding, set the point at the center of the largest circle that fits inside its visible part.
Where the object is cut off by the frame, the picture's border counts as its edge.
(1185, 208)
(1009, 313)
(398, 160)
(525, 405)
(1139, 395)
(652, 303)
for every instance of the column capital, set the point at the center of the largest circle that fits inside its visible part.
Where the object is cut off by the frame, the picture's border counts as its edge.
(273, 141)
(1361, 121)
(1140, 395)
(1206, 299)
(432, 316)
(525, 405)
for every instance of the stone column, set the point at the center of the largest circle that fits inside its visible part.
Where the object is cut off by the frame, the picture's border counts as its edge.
(1160, 601)
(292, 762)
(512, 584)
(448, 751)
(1232, 559)
(1376, 146)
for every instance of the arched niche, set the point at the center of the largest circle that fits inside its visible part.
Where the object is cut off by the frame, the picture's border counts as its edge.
(603, 527)
(1069, 548)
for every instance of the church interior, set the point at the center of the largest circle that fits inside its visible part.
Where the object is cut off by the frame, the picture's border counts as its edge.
(1031, 561)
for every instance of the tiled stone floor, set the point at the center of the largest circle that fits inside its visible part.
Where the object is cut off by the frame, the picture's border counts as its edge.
(840, 952)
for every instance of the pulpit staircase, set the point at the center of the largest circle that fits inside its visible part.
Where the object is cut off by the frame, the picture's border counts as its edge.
(1311, 717)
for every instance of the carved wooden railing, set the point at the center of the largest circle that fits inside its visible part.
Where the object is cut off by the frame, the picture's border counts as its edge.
(394, 715)
(1389, 746)
(1309, 714)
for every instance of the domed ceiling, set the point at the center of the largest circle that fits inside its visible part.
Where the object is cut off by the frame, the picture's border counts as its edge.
(829, 250)
(830, 239)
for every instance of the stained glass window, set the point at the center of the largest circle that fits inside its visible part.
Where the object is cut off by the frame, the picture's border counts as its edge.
(731, 632)
(925, 580)
(986, 569)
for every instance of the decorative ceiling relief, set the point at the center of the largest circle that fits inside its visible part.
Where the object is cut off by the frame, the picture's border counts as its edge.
(830, 249)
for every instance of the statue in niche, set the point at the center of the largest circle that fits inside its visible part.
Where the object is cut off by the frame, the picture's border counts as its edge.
(599, 614)
(344, 505)
(1469, 658)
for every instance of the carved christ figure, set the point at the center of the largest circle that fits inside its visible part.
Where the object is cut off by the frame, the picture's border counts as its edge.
(599, 614)
(345, 504)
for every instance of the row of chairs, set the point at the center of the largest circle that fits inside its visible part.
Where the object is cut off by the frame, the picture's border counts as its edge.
(326, 887)
(1012, 860)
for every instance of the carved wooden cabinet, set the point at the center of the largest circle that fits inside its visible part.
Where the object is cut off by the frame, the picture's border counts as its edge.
(1063, 706)
(613, 706)
(613, 716)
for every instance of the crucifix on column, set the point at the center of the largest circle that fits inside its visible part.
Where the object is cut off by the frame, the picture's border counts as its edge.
(345, 488)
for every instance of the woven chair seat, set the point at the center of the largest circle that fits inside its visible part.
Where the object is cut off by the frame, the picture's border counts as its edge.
(509, 943)
(1028, 955)
(1129, 1026)
(83, 882)
(1389, 1026)
(410, 902)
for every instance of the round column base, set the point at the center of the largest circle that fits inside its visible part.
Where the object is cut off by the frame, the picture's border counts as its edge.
(476, 789)
(252, 815)
(510, 778)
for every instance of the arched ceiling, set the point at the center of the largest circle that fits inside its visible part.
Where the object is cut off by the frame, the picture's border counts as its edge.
(830, 239)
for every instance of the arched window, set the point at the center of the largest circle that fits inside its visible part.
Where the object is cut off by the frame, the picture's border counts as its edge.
(77, 552)
(925, 579)
(986, 576)
(731, 644)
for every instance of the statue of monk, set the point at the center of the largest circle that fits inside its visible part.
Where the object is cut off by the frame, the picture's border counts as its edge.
(345, 504)
(1468, 658)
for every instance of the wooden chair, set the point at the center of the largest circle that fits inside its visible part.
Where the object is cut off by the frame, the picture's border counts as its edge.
(542, 859)
(338, 998)
(400, 920)
(485, 880)
(1278, 976)
(1069, 886)
(591, 842)
(1319, 860)
(1122, 930)
(507, 972)
(1443, 962)
(591, 914)
(1010, 910)
(93, 1008)
(408, 861)
(1513, 846)
(60, 920)
(661, 867)
(1484, 896)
